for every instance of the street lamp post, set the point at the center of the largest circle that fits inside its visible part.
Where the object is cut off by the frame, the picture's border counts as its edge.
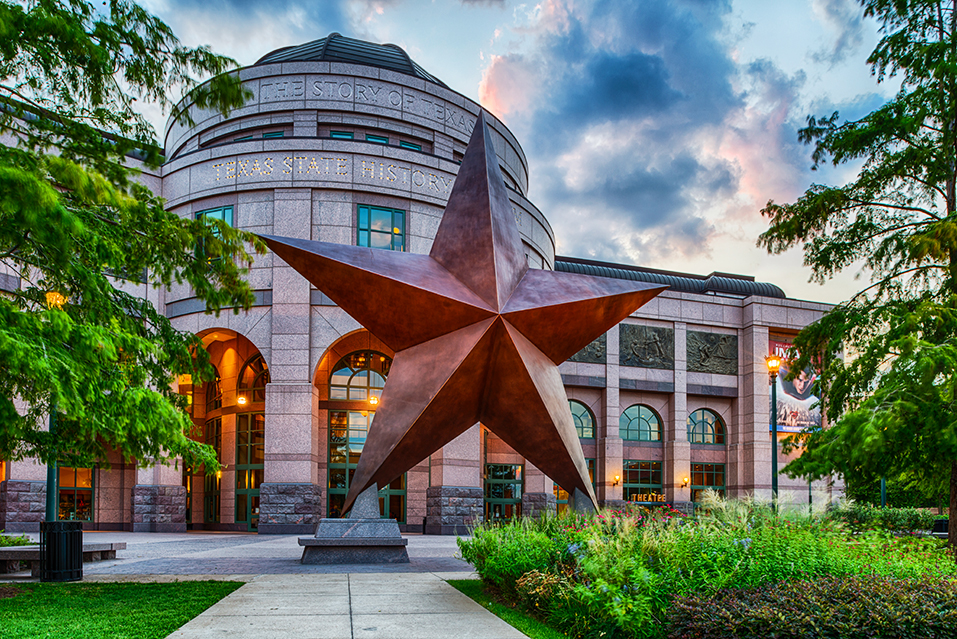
(774, 365)
(51, 505)
(55, 300)
(61, 542)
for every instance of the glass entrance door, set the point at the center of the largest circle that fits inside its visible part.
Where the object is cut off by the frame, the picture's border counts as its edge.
(503, 492)
(347, 436)
(250, 441)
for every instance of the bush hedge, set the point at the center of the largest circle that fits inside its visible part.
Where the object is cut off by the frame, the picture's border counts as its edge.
(618, 574)
(860, 516)
(838, 607)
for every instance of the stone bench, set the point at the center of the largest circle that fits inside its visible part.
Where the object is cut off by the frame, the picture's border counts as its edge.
(11, 557)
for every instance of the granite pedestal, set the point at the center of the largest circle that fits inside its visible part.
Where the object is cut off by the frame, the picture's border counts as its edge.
(360, 538)
(581, 503)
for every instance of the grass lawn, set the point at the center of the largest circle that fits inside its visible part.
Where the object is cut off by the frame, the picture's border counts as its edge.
(522, 622)
(121, 610)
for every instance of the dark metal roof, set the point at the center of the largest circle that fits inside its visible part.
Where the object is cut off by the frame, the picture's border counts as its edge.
(338, 48)
(716, 283)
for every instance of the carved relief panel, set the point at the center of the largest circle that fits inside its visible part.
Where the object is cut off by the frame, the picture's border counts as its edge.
(646, 346)
(594, 353)
(712, 353)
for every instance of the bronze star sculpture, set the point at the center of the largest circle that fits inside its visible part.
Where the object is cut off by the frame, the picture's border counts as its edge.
(477, 335)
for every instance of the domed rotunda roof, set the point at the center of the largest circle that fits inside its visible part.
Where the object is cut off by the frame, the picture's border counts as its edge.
(338, 48)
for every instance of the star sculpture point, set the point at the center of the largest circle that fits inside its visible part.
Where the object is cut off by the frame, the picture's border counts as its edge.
(477, 335)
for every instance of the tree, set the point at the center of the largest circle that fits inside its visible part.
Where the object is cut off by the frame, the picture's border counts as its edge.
(77, 232)
(902, 491)
(891, 402)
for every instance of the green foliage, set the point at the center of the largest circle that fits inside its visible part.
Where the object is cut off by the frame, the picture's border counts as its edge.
(847, 607)
(72, 72)
(75, 224)
(616, 575)
(903, 491)
(94, 610)
(11, 540)
(858, 516)
(501, 555)
(891, 402)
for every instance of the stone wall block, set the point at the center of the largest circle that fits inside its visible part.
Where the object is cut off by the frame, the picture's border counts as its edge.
(22, 505)
(453, 510)
(158, 508)
(289, 508)
(536, 504)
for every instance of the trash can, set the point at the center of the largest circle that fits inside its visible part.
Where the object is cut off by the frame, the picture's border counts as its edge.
(61, 551)
(941, 526)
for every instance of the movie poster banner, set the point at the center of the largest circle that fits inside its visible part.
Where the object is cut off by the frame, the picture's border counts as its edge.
(795, 401)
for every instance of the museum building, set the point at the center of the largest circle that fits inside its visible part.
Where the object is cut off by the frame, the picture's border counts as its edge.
(352, 142)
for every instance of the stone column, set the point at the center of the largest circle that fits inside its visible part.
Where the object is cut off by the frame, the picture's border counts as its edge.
(22, 504)
(610, 447)
(158, 500)
(677, 452)
(23, 496)
(455, 501)
(538, 495)
(751, 451)
(290, 496)
(416, 497)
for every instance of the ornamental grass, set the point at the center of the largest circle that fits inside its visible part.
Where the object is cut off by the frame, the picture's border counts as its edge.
(619, 574)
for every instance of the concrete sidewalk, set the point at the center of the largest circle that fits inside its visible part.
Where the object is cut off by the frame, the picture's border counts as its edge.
(348, 606)
(283, 598)
(241, 556)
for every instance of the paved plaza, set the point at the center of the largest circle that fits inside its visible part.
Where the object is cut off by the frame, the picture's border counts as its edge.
(284, 598)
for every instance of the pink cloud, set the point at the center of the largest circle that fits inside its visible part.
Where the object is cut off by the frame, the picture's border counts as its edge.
(760, 139)
(508, 85)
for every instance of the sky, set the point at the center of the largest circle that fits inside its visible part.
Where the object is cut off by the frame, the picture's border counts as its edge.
(655, 130)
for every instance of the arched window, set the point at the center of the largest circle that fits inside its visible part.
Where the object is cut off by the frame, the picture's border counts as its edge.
(253, 379)
(584, 420)
(640, 423)
(705, 427)
(358, 376)
(214, 393)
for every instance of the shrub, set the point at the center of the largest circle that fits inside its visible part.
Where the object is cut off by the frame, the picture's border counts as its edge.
(617, 574)
(10, 540)
(861, 516)
(502, 554)
(846, 607)
(536, 589)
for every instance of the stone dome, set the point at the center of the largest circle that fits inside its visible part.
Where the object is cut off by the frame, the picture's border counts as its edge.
(335, 47)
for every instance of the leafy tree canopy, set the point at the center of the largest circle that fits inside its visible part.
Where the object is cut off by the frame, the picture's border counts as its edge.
(82, 242)
(888, 356)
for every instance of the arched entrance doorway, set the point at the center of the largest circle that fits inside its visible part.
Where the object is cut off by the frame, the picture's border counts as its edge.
(230, 415)
(355, 386)
(349, 379)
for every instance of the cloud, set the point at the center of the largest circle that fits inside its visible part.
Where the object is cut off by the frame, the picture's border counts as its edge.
(488, 3)
(233, 25)
(845, 19)
(647, 142)
(364, 13)
(760, 138)
(508, 84)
